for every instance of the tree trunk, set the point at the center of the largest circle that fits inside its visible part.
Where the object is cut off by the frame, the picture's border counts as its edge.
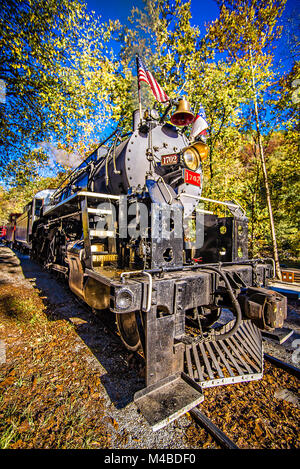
(211, 162)
(265, 174)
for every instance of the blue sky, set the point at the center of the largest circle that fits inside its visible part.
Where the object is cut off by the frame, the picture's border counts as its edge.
(203, 11)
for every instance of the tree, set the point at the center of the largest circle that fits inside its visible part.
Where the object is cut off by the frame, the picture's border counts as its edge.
(57, 74)
(246, 30)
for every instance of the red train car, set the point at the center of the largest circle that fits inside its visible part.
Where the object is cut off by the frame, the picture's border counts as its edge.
(11, 228)
(2, 231)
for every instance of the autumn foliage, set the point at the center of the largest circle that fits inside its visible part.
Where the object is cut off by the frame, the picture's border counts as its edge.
(71, 79)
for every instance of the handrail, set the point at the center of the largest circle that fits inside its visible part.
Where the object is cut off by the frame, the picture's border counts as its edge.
(205, 199)
(96, 195)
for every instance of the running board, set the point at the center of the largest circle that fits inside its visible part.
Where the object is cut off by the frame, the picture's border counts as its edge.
(59, 268)
(168, 399)
(234, 360)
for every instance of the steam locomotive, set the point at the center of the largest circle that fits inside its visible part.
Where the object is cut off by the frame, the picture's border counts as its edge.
(128, 232)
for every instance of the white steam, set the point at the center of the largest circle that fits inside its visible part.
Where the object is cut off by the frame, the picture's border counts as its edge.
(60, 156)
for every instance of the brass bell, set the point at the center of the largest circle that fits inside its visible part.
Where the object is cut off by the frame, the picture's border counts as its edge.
(183, 115)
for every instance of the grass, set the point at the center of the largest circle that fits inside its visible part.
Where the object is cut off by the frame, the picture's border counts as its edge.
(48, 396)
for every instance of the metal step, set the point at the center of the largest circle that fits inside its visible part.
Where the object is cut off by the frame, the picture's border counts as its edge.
(236, 359)
(104, 258)
(168, 399)
(99, 211)
(102, 234)
(57, 267)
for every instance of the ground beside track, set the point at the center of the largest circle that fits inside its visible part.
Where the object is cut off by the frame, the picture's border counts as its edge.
(68, 383)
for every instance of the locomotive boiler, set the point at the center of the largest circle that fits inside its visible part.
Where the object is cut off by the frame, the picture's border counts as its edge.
(128, 233)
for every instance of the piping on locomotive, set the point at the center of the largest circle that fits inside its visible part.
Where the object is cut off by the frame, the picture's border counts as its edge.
(125, 229)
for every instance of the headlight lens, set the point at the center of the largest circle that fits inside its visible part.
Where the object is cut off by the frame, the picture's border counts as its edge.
(191, 159)
(124, 299)
(192, 156)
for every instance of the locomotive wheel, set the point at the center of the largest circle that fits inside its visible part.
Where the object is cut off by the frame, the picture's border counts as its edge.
(129, 331)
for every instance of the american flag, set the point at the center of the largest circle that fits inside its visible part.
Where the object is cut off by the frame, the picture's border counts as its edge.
(147, 77)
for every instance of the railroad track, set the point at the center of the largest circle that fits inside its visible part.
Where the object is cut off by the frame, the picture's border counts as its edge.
(219, 436)
(224, 441)
(293, 370)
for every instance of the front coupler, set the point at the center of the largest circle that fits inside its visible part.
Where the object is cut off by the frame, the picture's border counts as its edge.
(266, 308)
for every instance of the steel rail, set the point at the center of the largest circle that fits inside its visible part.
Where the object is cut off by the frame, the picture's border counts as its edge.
(220, 436)
(293, 370)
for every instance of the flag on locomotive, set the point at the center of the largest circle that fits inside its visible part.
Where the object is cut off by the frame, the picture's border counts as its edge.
(147, 77)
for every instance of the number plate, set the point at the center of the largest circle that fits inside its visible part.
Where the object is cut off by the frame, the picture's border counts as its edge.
(190, 177)
(169, 159)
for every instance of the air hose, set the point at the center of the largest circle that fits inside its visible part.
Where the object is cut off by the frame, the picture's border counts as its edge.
(235, 305)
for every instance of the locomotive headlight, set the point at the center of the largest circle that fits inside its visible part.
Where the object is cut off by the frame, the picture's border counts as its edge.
(124, 299)
(202, 150)
(191, 159)
(195, 153)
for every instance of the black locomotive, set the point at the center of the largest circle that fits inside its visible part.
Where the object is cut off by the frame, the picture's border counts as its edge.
(127, 231)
